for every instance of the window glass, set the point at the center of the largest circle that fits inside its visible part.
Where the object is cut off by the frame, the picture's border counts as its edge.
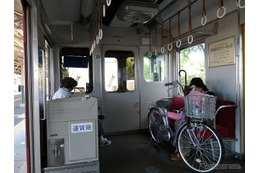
(77, 63)
(192, 60)
(119, 71)
(154, 67)
(130, 73)
(111, 74)
(81, 75)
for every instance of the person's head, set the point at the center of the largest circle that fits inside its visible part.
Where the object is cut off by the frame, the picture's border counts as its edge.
(68, 83)
(200, 86)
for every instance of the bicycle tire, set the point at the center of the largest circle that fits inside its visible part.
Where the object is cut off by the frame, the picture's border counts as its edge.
(208, 152)
(157, 126)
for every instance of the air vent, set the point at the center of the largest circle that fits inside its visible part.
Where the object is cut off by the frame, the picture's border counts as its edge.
(136, 12)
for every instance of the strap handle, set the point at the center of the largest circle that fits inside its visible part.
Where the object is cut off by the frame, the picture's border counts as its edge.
(179, 27)
(190, 26)
(178, 42)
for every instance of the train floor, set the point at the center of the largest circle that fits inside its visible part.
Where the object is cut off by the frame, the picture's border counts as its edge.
(132, 153)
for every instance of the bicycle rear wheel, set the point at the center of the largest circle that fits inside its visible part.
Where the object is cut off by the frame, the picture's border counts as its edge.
(200, 147)
(157, 126)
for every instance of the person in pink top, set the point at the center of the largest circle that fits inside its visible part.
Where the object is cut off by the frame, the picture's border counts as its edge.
(197, 87)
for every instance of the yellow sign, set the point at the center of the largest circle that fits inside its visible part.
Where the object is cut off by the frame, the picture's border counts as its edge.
(222, 53)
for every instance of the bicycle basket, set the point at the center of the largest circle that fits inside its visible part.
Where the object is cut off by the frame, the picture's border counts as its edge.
(200, 106)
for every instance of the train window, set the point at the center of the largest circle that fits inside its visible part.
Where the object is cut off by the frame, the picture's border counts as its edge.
(192, 60)
(119, 71)
(77, 64)
(81, 75)
(130, 73)
(154, 67)
(111, 74)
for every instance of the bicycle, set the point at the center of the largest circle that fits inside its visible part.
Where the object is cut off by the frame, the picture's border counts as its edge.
(199, 144)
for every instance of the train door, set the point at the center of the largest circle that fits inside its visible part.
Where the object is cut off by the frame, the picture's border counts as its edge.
(32, 92)
(153, 75)
(120, 98)
(36, 90)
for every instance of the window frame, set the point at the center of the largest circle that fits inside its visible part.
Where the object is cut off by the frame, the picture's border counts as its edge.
(200, 42)
(121, 69)
(68, 51)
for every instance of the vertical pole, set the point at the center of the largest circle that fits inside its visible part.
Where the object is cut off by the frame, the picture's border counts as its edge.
(22, 85)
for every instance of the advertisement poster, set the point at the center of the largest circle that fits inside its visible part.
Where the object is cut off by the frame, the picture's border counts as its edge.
(222, 52)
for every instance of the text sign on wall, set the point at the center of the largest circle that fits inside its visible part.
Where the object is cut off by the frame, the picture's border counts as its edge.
(81, 127)
(222, 52)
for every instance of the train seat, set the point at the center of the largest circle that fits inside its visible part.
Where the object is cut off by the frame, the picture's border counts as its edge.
(225, 120)
(177, 103)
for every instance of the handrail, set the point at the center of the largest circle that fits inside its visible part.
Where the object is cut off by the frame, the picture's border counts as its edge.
(44, 86)
(219, 108)
(225, 106)
(172, 16)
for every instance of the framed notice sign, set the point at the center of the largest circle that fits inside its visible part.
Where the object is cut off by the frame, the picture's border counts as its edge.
(222, 52)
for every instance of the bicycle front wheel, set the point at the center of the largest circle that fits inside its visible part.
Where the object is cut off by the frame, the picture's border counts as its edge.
(200, 147)
(157, 126)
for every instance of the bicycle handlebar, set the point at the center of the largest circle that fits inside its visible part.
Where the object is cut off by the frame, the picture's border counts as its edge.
(168, 84)
(175, 84)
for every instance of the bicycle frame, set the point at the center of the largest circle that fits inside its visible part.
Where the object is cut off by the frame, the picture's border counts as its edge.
(191, 131)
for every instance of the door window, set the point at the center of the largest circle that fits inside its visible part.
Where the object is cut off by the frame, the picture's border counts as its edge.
(119, 71)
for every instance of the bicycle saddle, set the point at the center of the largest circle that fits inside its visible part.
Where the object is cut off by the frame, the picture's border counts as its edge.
(163, 103)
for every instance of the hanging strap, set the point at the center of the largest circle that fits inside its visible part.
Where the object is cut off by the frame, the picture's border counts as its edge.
(155, 35)
(221, 4)
(170, 31)
(98, 8)
(190, 26)
(150, 41)
(221, 7)
(162, 42)
(203, 9)
(179, 27)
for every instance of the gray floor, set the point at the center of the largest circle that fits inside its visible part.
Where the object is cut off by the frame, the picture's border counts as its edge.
(132, 154)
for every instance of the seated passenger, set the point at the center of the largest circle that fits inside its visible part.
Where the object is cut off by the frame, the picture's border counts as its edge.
(197, 86)
(200, 86)
(67, 85)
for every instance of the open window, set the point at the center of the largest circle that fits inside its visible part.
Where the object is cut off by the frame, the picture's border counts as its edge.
(192, 60)
(119, 71)
(76, 63)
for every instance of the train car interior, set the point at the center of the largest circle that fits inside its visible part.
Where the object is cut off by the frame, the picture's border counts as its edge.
(122, 53)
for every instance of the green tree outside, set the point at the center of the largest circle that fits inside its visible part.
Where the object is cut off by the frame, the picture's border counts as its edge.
(193, 62)
(130, 68)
